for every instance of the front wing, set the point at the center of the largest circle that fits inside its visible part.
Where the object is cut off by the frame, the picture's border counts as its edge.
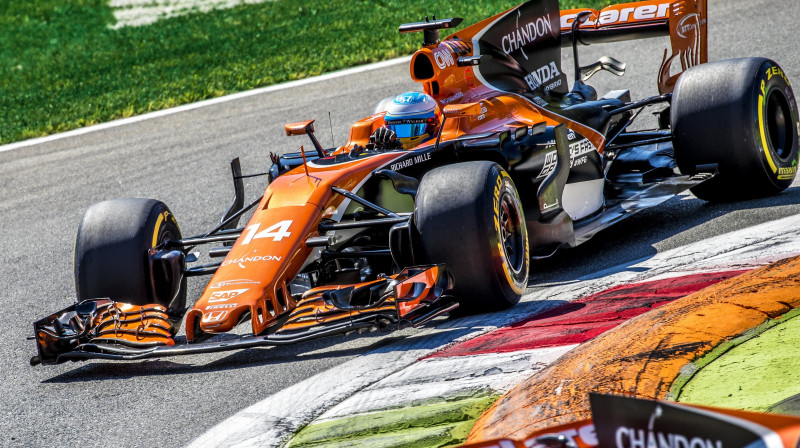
(103, 329)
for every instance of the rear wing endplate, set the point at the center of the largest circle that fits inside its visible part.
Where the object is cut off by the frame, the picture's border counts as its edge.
(684, 21)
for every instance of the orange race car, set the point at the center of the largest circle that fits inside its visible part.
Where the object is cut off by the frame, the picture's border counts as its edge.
(439, 199)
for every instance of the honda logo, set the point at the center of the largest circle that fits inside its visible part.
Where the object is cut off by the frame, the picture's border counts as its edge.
(215, 316)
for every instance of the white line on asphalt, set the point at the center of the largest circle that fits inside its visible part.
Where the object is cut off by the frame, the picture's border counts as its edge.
(445, 378)
(204, 103)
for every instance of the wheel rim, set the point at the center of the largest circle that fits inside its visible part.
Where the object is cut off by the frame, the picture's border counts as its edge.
(779, 124)
(511, 234)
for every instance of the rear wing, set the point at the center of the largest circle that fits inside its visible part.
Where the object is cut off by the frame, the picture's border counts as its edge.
(684, 21)
(519, 50)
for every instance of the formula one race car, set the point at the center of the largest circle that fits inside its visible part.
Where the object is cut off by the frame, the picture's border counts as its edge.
(511, 166)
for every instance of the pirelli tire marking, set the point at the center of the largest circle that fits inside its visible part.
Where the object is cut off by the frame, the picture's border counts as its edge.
(162, 218)
(783, 168)
(516, 275)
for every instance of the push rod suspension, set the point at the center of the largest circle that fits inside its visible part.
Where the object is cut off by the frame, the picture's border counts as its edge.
(365, 202)
(326, 226)
(667, 97)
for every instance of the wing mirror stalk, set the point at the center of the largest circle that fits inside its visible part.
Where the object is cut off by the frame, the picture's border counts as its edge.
(583, 74)
(305, 127)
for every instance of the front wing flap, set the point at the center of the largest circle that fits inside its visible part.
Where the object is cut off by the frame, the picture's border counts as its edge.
(103, 329)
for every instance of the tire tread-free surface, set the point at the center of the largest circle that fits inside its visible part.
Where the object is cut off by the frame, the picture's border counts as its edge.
(454, 215)
(715, 120)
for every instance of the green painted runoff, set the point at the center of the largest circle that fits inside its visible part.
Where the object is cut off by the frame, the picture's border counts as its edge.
(754, 375)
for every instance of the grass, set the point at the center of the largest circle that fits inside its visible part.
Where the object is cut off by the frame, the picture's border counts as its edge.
(63, 67)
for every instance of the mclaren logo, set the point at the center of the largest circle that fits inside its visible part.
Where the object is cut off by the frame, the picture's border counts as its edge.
(619, 15)
(644, 12)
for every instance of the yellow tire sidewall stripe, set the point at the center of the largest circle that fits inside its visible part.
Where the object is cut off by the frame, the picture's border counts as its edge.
(763, 133)
(161, 217)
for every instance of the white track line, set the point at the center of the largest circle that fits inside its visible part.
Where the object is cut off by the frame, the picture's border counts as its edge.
(440, 378)
(204, 103)
(147, 12)
(272, 422)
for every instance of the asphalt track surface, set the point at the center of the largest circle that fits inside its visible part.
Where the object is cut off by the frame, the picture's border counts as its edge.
(183, 159)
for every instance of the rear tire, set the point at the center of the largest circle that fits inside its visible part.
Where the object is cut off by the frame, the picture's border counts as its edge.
(111, 251)
(740, 114)
(469, 217)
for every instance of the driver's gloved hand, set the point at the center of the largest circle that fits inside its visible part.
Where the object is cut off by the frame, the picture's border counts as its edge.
(386, 138)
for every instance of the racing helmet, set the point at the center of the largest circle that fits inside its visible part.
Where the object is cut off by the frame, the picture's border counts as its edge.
(414, 117)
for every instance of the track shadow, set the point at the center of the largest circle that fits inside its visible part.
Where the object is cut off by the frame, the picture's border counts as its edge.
(447, 329)
(635, 239)
(95, 370)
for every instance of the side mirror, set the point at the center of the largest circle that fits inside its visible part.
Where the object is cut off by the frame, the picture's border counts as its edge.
(305, 127)
(300, 128)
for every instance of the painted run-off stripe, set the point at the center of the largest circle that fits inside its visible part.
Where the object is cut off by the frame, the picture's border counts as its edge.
(643, 356)
(272, 421)
(431, 403)
(751, 372)
(583, 319)
(447, 377)
(442, 422)
(496, 364)
(739, 250)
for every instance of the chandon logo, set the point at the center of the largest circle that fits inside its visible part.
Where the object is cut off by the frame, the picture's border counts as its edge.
(246, 259)
(639, 438)
(526, 34)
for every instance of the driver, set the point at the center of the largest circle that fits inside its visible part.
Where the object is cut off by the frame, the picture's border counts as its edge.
(411, 118)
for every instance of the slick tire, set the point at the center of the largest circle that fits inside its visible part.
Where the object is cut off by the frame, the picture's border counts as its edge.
(469, 217)
(740, 114)
(111, 251)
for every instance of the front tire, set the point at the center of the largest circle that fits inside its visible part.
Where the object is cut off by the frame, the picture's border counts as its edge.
(740, 114)
(470, 217)
(111, 252)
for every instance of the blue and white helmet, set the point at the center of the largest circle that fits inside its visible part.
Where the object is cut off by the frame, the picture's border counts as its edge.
(414, 117)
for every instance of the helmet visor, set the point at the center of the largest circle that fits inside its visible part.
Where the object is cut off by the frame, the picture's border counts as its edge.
(409, 130)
